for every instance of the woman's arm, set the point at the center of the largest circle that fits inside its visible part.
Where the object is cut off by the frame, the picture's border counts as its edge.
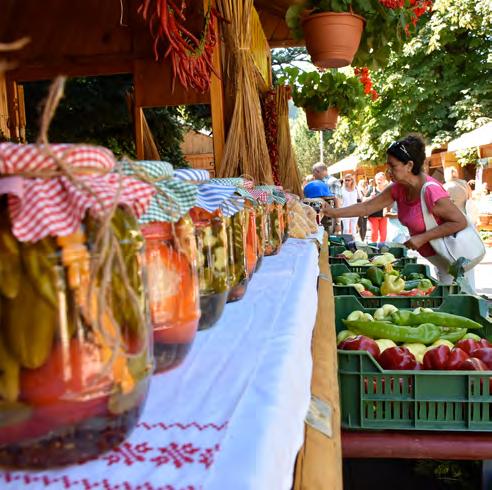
(453, 220)
(364, 208)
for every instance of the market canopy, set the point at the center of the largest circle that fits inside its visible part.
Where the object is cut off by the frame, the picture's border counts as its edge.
(348, 163)
(477, 137)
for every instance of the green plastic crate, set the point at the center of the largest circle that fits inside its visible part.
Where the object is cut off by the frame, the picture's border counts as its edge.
(434, 300)
(374, 399)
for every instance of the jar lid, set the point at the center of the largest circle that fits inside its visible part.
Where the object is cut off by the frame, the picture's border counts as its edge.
(173, 199)
(212, 195)
(277, 192)
(44, 200)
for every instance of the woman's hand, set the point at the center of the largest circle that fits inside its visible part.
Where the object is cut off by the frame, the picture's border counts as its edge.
(327, 210)
(416, 242)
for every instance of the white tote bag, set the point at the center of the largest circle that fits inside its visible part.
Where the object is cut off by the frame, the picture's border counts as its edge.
(466, 243)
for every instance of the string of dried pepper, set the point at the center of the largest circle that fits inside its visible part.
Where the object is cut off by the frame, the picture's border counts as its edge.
(270, 122)
(191, 58)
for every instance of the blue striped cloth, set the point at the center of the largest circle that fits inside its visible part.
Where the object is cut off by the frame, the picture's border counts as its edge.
(211, 196)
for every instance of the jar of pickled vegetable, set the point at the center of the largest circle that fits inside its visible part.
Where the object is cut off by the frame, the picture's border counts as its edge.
(70, 386)
(74, 332)
(260, 217)
(285, 219)
(212, 264)
(236, 237)
(251, 240)
(174, 298)
(273, 240)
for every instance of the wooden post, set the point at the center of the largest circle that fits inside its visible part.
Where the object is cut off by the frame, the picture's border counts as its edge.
(217, 98)
(14, 122)
(4, 110)
(319, 464)
(139, 132)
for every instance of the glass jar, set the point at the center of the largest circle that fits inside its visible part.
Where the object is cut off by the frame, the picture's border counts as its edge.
(273, 240)
(174, 298)
(212, 262)
(251, 240)
(285, 219)
(74, 351)
(260, 217)
(236, 237)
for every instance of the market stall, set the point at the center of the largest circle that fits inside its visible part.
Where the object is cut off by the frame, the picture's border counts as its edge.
(231, 416)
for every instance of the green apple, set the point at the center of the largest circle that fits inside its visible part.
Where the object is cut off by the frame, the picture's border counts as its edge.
(417, 349)
(439, 342)
(384, 344)
(344, 334)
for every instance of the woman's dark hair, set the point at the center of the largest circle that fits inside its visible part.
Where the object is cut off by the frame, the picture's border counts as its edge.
(412, 147)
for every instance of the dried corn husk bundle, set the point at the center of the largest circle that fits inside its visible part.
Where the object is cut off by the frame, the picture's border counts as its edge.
(289, 172)
(245, 150)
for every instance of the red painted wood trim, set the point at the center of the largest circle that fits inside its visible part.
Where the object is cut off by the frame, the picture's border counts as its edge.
(417, 445)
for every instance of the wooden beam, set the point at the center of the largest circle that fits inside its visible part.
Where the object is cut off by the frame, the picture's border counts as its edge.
(13, 110)
(217, 100)
(4, 110)
(319, 464)
(139, 132)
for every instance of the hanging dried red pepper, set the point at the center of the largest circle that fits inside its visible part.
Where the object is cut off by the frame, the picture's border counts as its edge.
(191, 58)
(270, 121)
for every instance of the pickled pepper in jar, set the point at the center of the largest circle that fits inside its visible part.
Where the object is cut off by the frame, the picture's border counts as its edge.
(236, 235)
(212, 264)
(273, 240)
(251, 240)
(260, 217)
(74, 337)
(174, 300)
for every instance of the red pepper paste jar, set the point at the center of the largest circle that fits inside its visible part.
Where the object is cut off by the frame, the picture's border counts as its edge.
(174, 298)
(252, 251)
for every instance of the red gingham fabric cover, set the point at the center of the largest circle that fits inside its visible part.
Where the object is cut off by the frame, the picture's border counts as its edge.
(55, 206)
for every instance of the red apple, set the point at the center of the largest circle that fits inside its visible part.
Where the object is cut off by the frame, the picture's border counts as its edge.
(473, 364)
(360, 342)
(456, 357)
(485, 355)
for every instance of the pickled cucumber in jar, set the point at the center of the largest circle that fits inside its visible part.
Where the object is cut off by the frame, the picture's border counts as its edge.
(212, 264)
(74, 368)
(236, 235)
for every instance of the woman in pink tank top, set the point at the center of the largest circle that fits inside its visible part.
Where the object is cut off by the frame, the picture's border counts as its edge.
(405, 160)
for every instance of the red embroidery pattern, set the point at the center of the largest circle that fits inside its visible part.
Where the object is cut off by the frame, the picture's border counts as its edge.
(174, 453)
(177, 425)
(82, 484)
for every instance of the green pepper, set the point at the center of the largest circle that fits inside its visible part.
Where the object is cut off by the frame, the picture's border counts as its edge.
(452, 334)
(438, 318)
(374, 290)
(366, 283)
(409, 285)
(344, 281)
(375, 275)
(413, 276)
(424, 334)
(425, 284)
(392, 285)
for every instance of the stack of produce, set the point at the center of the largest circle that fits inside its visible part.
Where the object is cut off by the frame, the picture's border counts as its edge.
(419, 339)
(302, 219)
(389, 282)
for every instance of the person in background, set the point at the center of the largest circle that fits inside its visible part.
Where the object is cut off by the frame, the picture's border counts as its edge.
(307, 179)
(405, 159)
(459, 191)
(379, 222)
(320, 172)
(363, 189)
(350, 196)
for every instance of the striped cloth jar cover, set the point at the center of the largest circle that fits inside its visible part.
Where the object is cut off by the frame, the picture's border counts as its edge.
(174, 198)
(212, 195)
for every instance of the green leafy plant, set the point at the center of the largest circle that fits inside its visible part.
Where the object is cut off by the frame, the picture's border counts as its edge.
(388, 23)
(320, 91)
(468, 156)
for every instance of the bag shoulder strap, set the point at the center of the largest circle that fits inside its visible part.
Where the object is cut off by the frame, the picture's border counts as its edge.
(429, 220)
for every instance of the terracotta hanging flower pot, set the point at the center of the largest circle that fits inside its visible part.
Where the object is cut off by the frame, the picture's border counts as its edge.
(332, 39)
(320, 121)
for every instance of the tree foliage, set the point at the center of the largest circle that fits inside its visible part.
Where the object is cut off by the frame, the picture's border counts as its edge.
(439, 85)
(94, 111)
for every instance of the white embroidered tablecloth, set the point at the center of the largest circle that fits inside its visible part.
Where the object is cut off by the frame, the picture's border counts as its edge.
(231, 416)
